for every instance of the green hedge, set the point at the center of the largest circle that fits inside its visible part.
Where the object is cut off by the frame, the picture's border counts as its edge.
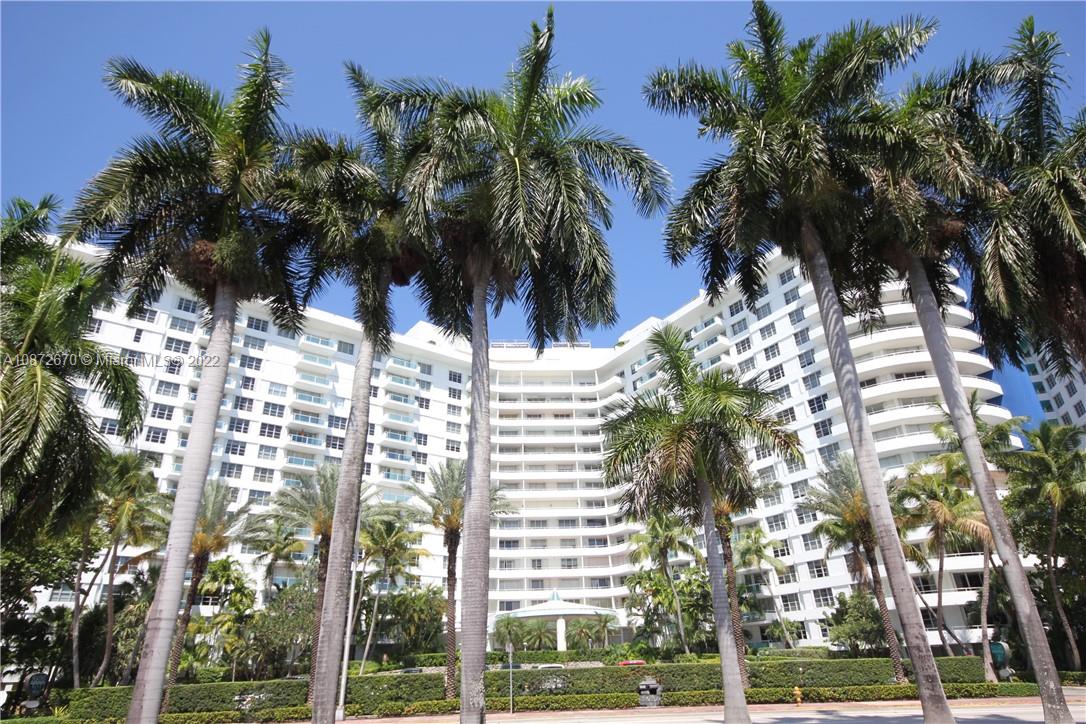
(187, 698)
(802, 652)
(524, 657)
(1073, 678)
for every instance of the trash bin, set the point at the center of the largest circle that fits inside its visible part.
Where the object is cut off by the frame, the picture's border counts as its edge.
(649, 692)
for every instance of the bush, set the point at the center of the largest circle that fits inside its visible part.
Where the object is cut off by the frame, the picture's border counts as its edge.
(803, 652)
(212, 674)
(280, 714)
(1073, 678)
(201, 717)
(113, 701)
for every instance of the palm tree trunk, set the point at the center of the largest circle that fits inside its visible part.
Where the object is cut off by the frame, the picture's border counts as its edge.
(452, 545)
(939, 626)
(950, 383)
(341, 548)
(162, 620)
(199, 567)
(733, 603)
(931, 612)
(1057, 598)
(78, 605)
(785, 633)
(315, 627)
(932, 697)
(477, 515)
(126, 677)
(666, 570)
(884, 613)
(986, 651)
(110, 617)
(735, 698)
(372, 627)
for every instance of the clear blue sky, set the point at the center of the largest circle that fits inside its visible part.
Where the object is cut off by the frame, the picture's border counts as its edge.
(60, 124)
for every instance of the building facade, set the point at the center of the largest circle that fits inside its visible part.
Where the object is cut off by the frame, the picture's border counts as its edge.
(286, 403)
(1062, 398)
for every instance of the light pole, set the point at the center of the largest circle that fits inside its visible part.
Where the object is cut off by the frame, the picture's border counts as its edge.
(509, 650)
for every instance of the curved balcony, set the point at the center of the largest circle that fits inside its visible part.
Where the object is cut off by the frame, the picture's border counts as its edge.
(309, 401)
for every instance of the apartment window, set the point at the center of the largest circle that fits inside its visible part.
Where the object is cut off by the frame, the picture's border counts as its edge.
(455, 393)
(1057, 400)
(812, 542)
(773, 351)
(263, 475)
(425, 369)
(269, 430)
(823, 597)
(422, 439)
(762, 311)
(452, 446)
(248, 383)
(787, 275)
(768, 331)
(824, 428)
(456, 377)
(508, 544)
(743, 346)
(422, 402)
(259, 497)
(818, 403)
(787, 575)
(800, 489)
(803, 336)
(251, 342)
(245, 404)
(260, 325)
(1065, 418)
(137, 335)
(370, 429)
(452, 427)
(776, 522)
(790, 602)
(739, 327)
(274, 409)
(168, 389)
(420, 458)
(914, 375)
(796, 315)
(229, 470)
(234, 447)
(1080, 409)
(781, 393)
(787, 415)
(812, 380)
(776, 373)
(424, 385)
(1071, 389)
(161, 412)
(180, 324)
(346, 348)
(784, 549)
(238, 425)
(807, 358)
(373, 391)
(251, 363)
(453, 410)
(337, 423)
(793, 465)
(155, 434)
(333, 442)
(95, 326)
(188, 305)
(817, 569)
(179, 346)
(735, 308)
(173, 367)
(792, 295)
(266, 452)
(276, 389)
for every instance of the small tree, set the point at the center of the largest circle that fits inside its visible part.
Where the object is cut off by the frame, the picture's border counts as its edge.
(856, 624)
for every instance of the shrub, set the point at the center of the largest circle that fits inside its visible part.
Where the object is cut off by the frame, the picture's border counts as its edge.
(687, 658)
(389, 708)
(280, 714)
(1073, 678)
(212, 674)
(113, 701)
(201, 717)
(802, 652)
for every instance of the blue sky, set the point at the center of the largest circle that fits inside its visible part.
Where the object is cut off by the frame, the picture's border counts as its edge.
(60, 124)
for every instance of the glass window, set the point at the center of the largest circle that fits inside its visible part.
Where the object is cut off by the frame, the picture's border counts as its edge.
(260, 325)
(768, 331)
(155, 434)
(817, 569)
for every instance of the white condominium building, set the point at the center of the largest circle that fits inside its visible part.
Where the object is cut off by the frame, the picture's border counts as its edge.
(1063, 398)
(287, 399)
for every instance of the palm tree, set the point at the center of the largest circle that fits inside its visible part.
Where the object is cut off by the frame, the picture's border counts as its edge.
(196, 201)
(218, 524)
(278, 544)
(684, 448)
(1052, 469)
(309, 504)
(51, 449)
(581, 631)
(724, 509)
(935, 495)
(132, 621)
(129, 500)
(663, 535)
(845, 524)
(796, 116)
(518, 184)
(508, 630)
(602, 624)
(755, 550)
(444, 510)
(392, 543)
(539, 635)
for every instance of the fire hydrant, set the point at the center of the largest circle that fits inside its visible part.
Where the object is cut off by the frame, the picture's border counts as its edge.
(797, 694)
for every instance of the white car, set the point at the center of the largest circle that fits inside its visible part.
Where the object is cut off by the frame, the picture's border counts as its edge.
(551, 666)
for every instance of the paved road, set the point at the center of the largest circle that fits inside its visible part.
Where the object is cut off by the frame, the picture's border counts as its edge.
(996, 711)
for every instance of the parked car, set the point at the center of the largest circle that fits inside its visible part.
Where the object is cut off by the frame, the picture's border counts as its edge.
(507, 665)
(411, 670)
(551, 666)
(632, 662)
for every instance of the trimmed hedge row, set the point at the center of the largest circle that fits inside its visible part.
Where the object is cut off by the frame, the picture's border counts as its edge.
(802, 652)
(524, 657)
(368, 693)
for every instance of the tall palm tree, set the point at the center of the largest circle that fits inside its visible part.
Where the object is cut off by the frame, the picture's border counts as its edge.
(309, 504)
(278, 543)
(724, 509)
(50, 446)
(395, 547)
(218, 524)
(356, 194)
(684, 448)
(755, 550)
(845, 524)
(935, 494)
(797, 119)
(663, 535)
(444, 510)
(196, 200)
(129, 501)
(518, 183)
(1053, 469)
